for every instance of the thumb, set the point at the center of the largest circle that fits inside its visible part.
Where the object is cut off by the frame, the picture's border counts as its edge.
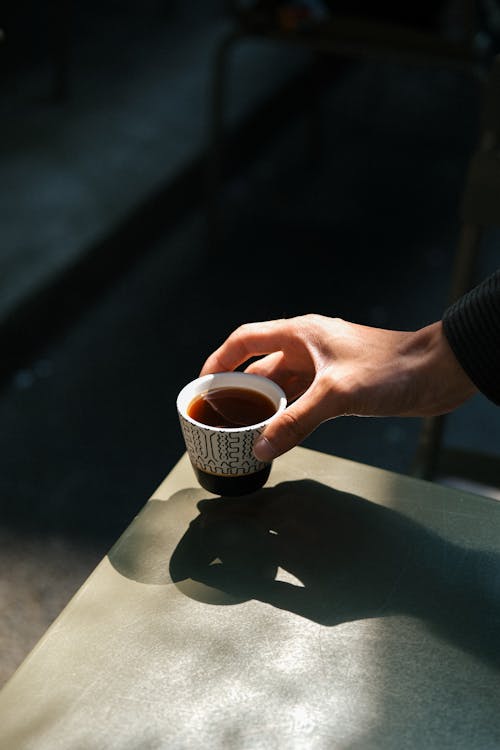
(290, 427)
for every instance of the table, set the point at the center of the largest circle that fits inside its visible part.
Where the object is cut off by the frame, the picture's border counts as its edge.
(341, 606)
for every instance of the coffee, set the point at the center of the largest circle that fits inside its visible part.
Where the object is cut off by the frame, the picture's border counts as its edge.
(231, 407)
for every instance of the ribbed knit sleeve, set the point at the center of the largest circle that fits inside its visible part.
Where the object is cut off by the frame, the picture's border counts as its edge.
(472, 328)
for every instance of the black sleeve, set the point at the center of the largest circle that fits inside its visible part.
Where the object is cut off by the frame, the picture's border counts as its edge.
(472, 327)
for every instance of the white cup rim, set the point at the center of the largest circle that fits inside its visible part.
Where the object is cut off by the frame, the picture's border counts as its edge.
(235, 379)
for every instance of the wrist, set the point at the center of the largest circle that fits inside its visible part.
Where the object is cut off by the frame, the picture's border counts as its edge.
(442, 382)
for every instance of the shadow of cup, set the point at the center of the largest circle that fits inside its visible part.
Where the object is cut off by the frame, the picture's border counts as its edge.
(325, 555)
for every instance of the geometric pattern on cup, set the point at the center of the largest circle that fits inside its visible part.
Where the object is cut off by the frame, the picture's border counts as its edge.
(221, 452)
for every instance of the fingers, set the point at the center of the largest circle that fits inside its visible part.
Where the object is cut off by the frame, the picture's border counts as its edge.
(249, 340)
(270, 366)
(275, 367)
(286, 359)
(294, 424)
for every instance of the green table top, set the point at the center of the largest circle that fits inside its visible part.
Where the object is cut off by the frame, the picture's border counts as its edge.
(341, 606)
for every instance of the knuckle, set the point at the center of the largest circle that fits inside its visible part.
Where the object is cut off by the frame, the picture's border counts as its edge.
(240, 336)
(314, 318)
(242, 331)
(311, 320)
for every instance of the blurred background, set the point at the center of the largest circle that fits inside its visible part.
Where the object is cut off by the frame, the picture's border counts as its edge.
(170, 170)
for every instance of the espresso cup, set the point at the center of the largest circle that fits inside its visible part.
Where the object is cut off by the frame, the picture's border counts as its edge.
(222, 456)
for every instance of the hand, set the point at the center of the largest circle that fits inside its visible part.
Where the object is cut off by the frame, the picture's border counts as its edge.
(329, 367)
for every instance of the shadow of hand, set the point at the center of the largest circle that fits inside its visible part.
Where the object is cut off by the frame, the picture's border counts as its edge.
(334, 557)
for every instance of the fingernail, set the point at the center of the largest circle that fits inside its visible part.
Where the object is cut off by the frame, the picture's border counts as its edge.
(263, 449)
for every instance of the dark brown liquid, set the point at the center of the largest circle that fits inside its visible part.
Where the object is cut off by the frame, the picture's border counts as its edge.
(232, 486)
(231, 407)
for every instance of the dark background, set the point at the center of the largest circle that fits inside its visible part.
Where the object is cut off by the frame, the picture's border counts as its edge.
(112, 295)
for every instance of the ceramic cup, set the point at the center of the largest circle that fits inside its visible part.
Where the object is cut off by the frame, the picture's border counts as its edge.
(222, 457)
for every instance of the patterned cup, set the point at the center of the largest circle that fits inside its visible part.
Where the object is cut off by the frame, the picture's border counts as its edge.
(222, 457)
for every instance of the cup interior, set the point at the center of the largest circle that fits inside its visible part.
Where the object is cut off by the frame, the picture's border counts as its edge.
(230, 380)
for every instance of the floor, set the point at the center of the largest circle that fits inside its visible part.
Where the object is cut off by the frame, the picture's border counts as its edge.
(367, 233)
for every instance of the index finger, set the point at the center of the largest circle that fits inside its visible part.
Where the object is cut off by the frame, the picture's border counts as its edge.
(249, 340)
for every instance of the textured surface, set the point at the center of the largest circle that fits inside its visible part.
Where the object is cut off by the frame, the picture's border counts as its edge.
(342, 606)
(88, 428)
